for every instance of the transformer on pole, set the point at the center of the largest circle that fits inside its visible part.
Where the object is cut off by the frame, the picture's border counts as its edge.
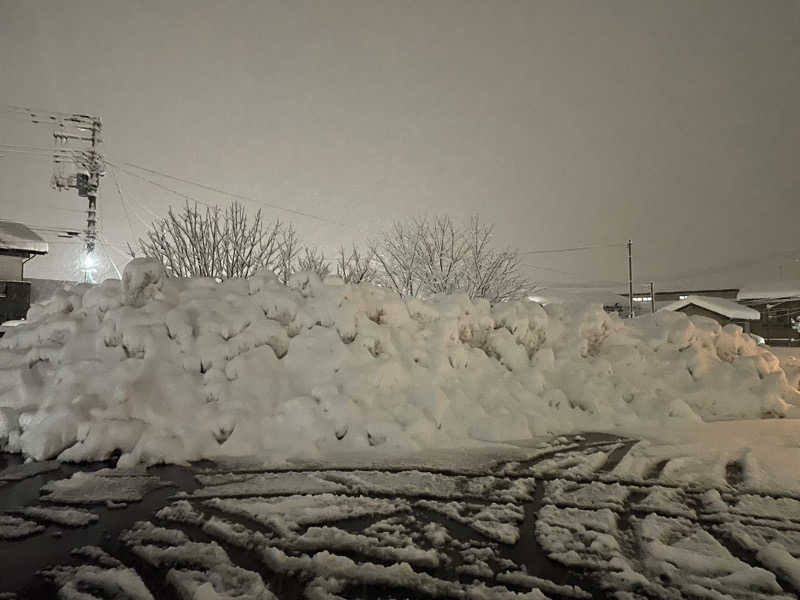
(77, 139)
(88, 165)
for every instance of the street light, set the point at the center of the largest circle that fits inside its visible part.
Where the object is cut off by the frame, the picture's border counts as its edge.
(88, 266)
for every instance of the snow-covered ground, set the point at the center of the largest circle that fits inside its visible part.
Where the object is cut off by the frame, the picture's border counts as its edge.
(587, 526)
(173, 370)
(756, 455)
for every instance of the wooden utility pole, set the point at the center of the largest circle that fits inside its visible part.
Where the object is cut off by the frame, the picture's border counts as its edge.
(89, 169)
(652, 297)
(630, 279)
(77, 139)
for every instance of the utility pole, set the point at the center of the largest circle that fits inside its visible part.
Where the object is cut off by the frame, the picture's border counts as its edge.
(652, 297)
(76, 138)
(630, 279)
(88, 166)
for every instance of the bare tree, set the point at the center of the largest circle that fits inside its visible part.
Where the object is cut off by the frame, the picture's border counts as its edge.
(490, 273)
(399, 253)
(422, 257)
(220, 243)
(312, 259)
(443, 250)
(288, 252)
(358, 266)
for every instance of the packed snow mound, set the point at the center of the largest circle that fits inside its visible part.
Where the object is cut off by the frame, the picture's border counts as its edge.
(162, 369)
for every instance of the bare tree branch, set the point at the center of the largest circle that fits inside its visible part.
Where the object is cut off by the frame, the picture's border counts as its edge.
(311, 259)
(358, 266)
(219, 243)
(423, 257)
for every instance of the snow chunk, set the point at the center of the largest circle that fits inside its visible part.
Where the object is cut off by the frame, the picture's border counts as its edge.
(198, 570)
(67, 517)
(779, 560)
(12, 528)
(422, 483)
(23, 471)
(181, 511)
(580, 538)
(335, 539)
(596, 494)
(288, 513)
(499, 522)
(142, 279)
(765, 506)
(105, 485)
(521, 579)
(666, 501)
(264, 484)
(115, 582)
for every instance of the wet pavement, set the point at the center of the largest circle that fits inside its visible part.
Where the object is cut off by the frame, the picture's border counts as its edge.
(556, 524)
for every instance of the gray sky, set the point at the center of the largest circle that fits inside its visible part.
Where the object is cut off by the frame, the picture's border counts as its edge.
(674, 123)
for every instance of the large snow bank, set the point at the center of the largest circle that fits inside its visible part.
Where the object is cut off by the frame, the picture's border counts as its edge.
(174, 370)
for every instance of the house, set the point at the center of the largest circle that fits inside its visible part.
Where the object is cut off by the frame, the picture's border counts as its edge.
(643, 303)
(672, 295)
(609, 301)
(722, 310)
(779, 304)
(18, 244)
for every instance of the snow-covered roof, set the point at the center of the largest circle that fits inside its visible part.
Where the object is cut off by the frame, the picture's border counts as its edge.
(18, 237)
(770, 290)
(722, 306)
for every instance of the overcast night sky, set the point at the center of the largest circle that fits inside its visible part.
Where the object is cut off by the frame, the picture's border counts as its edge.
(674, 123)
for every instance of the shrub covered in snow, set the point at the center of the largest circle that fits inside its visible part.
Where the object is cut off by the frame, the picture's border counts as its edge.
(166, 369)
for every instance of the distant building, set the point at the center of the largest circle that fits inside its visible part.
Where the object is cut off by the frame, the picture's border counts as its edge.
(722, 310)
(779, 304)
(641, 300)
(18, 244)
(609, 301)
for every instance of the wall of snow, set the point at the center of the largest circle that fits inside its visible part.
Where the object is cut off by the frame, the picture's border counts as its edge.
(174, 370)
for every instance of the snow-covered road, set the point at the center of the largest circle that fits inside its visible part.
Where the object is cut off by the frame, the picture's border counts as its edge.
(548, 519)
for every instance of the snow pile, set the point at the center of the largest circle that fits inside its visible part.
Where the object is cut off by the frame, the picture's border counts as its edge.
(173, 370)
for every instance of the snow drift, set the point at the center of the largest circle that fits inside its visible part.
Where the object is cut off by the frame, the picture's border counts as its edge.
(174, 370)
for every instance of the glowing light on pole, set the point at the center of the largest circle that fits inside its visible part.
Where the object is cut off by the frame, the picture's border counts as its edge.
(89, 266)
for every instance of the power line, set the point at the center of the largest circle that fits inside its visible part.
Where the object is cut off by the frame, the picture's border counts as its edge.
(122, 200)
(595, 285)
(40, 149)
(56, 157)
(108, 254)
(573, 249)
(142, 206)
(234, 195)
(162, 186)
(540, 268)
